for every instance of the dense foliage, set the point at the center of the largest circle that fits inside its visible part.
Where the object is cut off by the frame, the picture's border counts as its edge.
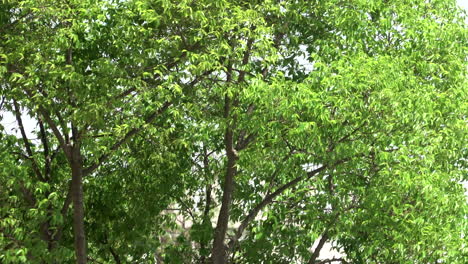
(219, 131)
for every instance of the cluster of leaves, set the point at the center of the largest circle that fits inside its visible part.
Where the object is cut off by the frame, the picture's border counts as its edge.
(233, 131)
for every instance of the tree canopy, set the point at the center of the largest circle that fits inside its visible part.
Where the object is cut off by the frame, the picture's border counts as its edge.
(233, 131)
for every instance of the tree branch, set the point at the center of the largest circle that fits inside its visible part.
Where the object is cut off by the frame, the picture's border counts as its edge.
(5, 27)
(45, 145)
(266, 201)
(114, 255)
(59, 117)
(63, 212)
(127, 136)
(28, 195)
(2, 102)
(269, 199)
(245, 59)
(63, 144)
(27, 146)
(134, 131)
(319, 247)
(329, 261)
(352, 132)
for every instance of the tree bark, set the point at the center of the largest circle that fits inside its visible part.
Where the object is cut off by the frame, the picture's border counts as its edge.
(206, 211)
(319, 247)
(78, 205)
(219, 247)
(115, 255)
(266, 201)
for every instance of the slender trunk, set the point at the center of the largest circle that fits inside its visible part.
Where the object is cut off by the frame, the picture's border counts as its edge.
(206, 221)
(78, 205)
(206, 211)
(219, 248)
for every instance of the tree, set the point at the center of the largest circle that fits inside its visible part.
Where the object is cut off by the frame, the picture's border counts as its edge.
(94, 75)
(267, 125)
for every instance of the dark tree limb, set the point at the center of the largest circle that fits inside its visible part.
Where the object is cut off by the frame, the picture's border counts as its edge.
(347, 136)
(270, 197)
(63, 144)
(329, 261)
(114, 255)
(319, 247)
(63, 212)
(7, 26)
(61, 122)
(2, 102)
(127, 136)
(266, 201)
(28, 195)
(45, 145)
(27, 145)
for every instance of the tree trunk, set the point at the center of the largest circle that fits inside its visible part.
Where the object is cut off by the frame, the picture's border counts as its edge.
(219, 247)
(219, 250)
(78, 205)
